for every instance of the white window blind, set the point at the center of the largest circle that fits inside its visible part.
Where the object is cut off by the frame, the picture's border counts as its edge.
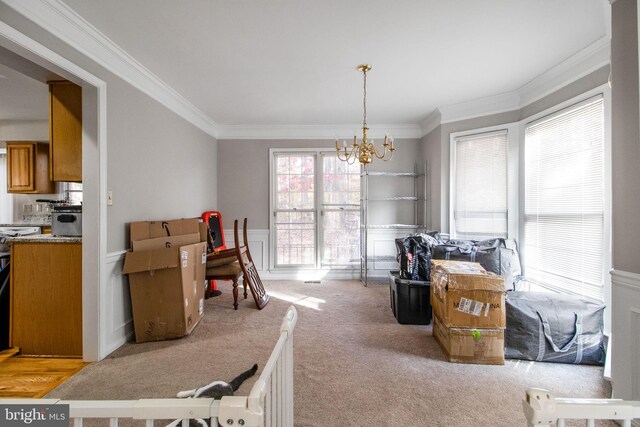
(564, 200)
(480, 202)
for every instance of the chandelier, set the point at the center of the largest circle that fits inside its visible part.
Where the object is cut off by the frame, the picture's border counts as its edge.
(365, 151)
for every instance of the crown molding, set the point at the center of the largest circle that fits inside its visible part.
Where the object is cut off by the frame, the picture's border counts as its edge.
(584, 62)
(432, 121)
(330, 132)
(480, 107)
(64, 23)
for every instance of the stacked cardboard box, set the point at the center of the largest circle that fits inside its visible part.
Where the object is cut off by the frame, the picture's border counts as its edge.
(469, 312)
(166, 271)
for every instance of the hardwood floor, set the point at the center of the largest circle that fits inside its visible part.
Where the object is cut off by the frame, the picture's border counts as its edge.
(33, 377)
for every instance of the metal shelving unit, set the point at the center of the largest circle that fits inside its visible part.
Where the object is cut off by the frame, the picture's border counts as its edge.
(365, 258)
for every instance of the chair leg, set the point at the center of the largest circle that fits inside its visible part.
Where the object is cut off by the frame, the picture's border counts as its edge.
(235, 294)
(244, 284)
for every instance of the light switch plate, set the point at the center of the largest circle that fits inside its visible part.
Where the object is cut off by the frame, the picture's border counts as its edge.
(109, 198)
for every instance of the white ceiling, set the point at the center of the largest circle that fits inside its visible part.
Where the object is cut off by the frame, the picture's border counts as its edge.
(292, 62)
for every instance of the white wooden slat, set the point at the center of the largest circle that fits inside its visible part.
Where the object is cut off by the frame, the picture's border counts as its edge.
(172, 408)
(100, 408)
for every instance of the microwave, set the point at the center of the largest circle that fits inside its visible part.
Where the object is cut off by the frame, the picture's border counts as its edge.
(67, 221)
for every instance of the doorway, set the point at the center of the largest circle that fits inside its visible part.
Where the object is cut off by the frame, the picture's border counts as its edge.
(30, 57)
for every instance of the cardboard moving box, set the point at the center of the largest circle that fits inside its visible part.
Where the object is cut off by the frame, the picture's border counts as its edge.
(159, 231)
(144, 230)
(464, 295)
(166, 277)
(470, 345)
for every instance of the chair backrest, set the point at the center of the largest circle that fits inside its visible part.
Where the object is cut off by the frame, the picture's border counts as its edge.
(249, 271)
(242, 250)
(215, 240)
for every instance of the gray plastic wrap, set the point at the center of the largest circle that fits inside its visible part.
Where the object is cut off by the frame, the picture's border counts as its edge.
(551, 327)
(499, 256)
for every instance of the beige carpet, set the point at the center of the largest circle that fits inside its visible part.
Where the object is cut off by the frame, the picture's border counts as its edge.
(354, 364)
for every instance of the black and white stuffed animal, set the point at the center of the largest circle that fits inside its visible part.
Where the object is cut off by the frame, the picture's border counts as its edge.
(215, 390)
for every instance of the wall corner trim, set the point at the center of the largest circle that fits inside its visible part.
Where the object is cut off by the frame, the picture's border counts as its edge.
(62, 22)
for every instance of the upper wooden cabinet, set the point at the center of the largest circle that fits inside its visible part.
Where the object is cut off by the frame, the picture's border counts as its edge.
(65, 131)
(28, 168)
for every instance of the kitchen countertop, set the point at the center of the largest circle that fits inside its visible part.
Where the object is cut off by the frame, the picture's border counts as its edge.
(45, 238)
(25, 224)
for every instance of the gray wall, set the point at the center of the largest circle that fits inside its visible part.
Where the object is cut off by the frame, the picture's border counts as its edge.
(436, 145)
(243, 174)
(159, 165)
(24, 130)
(432, 154)
(626, 137)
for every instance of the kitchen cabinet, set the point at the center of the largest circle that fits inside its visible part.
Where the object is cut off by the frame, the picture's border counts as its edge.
(46, 298)
(65, 131)
(28, 168)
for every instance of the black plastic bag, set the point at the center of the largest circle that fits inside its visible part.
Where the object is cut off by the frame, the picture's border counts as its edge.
(414, 256)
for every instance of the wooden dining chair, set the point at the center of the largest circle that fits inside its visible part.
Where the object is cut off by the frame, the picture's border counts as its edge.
(251, 278)
(232, 264)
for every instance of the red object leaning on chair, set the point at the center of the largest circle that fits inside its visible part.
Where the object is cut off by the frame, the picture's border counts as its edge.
(215, 243)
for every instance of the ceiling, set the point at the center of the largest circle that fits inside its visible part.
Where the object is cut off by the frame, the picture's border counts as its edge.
(293, 62)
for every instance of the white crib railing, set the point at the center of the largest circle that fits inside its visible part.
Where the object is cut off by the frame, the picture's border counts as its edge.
(270, 402)
(542, 409)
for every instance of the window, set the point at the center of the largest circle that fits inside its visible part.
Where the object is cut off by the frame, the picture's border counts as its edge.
(479, 183)
(340, 211)
(295, 210)
(564, 208)
(308, 185)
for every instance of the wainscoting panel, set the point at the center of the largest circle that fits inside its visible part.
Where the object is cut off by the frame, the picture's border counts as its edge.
(115, 302)
(382, 243)
(258, 246)
(625, 335)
